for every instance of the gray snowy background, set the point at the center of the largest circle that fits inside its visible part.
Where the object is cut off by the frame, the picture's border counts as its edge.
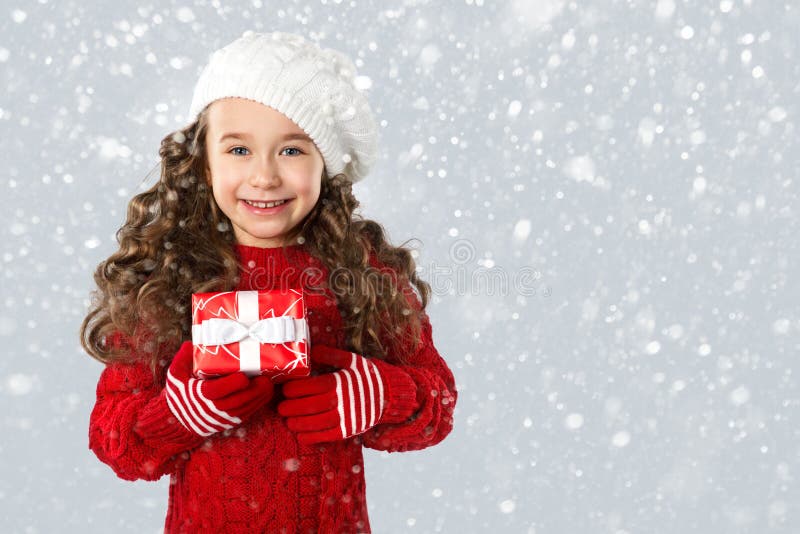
(605, 200)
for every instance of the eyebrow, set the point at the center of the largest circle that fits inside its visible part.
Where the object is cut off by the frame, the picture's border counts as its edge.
(288, 137)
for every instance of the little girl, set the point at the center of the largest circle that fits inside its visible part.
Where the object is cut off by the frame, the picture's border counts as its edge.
(255, 194)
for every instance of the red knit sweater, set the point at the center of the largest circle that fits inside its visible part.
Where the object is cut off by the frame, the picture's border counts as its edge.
(257, 477)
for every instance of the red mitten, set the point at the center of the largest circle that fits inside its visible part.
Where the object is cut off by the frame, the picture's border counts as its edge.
(336, 405)
(206, 406)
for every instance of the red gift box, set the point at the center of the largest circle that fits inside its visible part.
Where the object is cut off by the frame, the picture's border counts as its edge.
(257, 332)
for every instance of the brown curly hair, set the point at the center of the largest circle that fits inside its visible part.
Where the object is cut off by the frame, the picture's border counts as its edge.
(177, 241)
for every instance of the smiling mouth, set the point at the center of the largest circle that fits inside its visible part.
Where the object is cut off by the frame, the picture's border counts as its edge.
(270, 204)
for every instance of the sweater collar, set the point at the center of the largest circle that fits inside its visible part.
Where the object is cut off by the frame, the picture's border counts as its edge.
(262, 255)
(269, 265)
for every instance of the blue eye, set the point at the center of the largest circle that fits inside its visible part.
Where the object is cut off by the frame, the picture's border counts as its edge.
(243, 148)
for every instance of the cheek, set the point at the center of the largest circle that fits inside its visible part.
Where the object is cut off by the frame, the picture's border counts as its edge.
(312, 193)
(303, 186)
(221, 174)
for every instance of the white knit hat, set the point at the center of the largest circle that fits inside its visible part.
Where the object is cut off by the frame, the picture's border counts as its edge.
(313, 87)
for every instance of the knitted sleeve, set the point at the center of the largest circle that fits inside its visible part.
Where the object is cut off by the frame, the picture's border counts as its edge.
(131, 428)
(420, 395)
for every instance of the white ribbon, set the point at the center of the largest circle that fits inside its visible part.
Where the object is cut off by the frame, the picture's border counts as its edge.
(221, 331)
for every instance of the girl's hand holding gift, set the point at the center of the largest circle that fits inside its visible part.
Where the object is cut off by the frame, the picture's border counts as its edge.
(207, 406)
(337, 405)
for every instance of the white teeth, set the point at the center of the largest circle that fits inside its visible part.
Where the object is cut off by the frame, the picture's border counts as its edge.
(263, 205)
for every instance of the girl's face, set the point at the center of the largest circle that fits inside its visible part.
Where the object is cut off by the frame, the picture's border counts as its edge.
(253, 155)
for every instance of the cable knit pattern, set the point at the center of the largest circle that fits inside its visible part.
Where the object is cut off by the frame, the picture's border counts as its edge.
(257, 477)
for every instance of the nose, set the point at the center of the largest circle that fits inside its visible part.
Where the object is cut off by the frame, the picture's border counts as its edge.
(265, 173)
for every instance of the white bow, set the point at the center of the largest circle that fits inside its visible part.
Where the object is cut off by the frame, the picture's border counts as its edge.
(220, 331)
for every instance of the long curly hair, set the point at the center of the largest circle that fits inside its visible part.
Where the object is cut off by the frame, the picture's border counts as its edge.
(177, 241)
